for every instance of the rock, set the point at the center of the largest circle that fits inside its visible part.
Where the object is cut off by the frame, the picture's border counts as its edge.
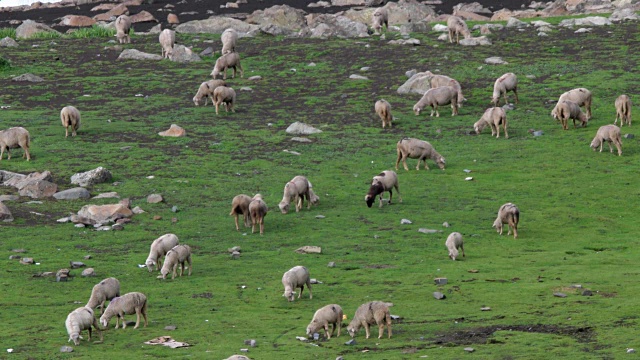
(439, 296)
(495, 60)
(174, 209)
(142, 16)
(154, 198)
(133, 54)
(538, 133)
(96, 176)
(628, 136)
(170, 327)
(309, 250)
(173, 131)
(173, 19)
(329, 25)
(77, 21)
(66, 349)
(8, 42)
(358, 77)
(207, 51)
(101, 214)
(76, 264)
(155, 30)
(410, 73)
(351, 342)
(443, 37)
(107, 195)
(429, 231)
(508, 107)
(440, 281)
(87, 257)
(19, 251)
(469, 349)
(5, 213)
(445, 224)
(103, 7)
(27, 77)
(282, 16)
(81, 220)
(630, 351)
(216, 25)
(440, 28)
(475, 41)
(582, 30)
(235, 255)
(617, 15)
(14, 257)
(298, 128)
(320, 216)
(182, 54)
(88, 272)
(587, 21)
(587, 293)
(405, 222)
(255, 78)
(137, 210)
(234, 249)
(331, 264)
(79, 225)
(515, 23)
(27, 261)
(29, 27)
(73, 194)
(485, 308)
(559, 294)
(417, 84)
(300, 139)
(157, 217)
(38, 189)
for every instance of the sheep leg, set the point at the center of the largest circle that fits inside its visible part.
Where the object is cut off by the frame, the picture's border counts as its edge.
(225, 73)
(144, 313)
(137, 317)
(504, 126)
(380, 206)
(301, 290)
(505, 97)
(366, 329)
(217, 105)
(619, 147)
(398, 190)
(175, 268)
(189, 262)
(327, 334)
(338, 325)
(515, 93)
(26, 153)
(96, 325)
(261, 225)
(124, 323)
(236, 219)
(436, 109)
(309, 288)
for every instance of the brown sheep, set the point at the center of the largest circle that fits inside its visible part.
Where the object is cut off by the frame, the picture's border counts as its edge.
(509, 214)
(505, 83)
(13, 138)
(570, 110)
(457, 26)
(240, 206)
(70, 117)
(374, 312)
(224, 95)
(580, 96)
(608, 133)
(417, 149)
(493, 117)
(383, 109)
(258, 210)
(623, 110)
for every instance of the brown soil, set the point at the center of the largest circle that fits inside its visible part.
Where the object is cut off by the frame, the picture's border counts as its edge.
(482, 335)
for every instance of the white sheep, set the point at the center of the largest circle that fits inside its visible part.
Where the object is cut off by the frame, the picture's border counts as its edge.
(167, 39)
(229, 39)
(240, 206)
(81, 319)
(374, 312)
(436, 81)
(13, 138)
(176, 256)
(608, 133)
(453, 243)
(380, 17)
(257, 210)
(569, 110)
(297, 190)
(123, 27)
(385, 181)
(224, 95)
(417, 149)
(457, 26)
(580, 96)
(494, 117)
(226, 61)
(508, 214)
(105, 290)
(623, 110)
(127, 304)
(505, 83)
(442, 95)
(383, 109)
(295, 278)
(70, 117)
(330, 314)
(159, 248)
(206, 91)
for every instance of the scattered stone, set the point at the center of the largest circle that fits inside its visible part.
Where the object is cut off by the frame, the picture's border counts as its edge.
(630, 351)
(538, 133)
(79, 225)
(628, 136)
(410, 73)
(183, 54)
(559, 294)
(77, 21)
(104, 228)
(440, 281)
(358, 77)
(469, 349)
(412, 42)
(14, 257)
(439, 296)
(495, 60)
(5, 213)
(446, 224)
(8, 42)
(300, 139)
(301, 338)
(331, 264)
(298, 128)
(96, 176)
(16, 197)
(133, 54)
(587, 293)
(87, 257)
(107, 195)
(62, 275)
(440, 28)
(157, 217)
(27, 261)
(88, 272)
(485, 308)
(476, 41)
(320, 216)
(582, 30)
(117, 227)
(137, 210)
(154, 198)
(27, 77)
(468, 178)
(76, 264)
(19, 251)
(515, 23)
(101, 214)
(405, 222)
(473, 271)
(309, 250)
(314, 281)
(351, 342)
(66, 349)
(235, 255)
(174, 209)
(73, 194)
(429, 231)
(28, 28)
(173, 131)
(38, 189)
(170, 327)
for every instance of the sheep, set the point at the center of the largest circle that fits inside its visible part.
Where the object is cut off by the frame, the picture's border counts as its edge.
(13, 138)
(81, 319)
(224, 95)
(123, 27)
(105, 290)
(167, 39)
(229, 39)
(417, 149)
(383, 109)
(257, 210)
(229, 60)
(506, 82)
(127, 304)
(453, 243)
(380, 17)
(385, 181)
(580, 96)
(330, 314)
(442, 95)
(508, 214)
(493, 117)
(70, 117)
(295, 278)
(240, 206)
(374, 312)
(159, 248)
(297, 190)
(457, 26)
(206, 91)
(570, 110)
(608, 133)
(178, 255)
(436, 81)
(623, 110)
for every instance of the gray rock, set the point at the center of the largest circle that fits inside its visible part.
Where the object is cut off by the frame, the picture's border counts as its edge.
(469, 349)
(630, 351)
(309, 249)
(538, 133)
(9, 198)
(412, 42)
(358, 77)
(133, 54)
(107, 195)
(102, 214)
(582, 30)
(87, 257)
(14, 257)
(182, 54)
(429, 231)
(351, 342)
(76, 264)
(439, 296)
(475, 41)
(154, 198)
(330, 25)
(300, 139)
(27, 77)
(66, 349)
(508, 107)
(255, 78)
(618, 15)
(246, 88)
(331, 264)
(559, 294)
(28, 28)
(515, 23)
(587, 21)
(235, 249)
(207, 51)
(417, 84)
(405, 222)
(79, 225)
(235, 255)
(38, 189)
(628, 136)
(8, 42)
(298, 128)
(155, 30)
(485, 308)
(88, 272)
(410, 73)
(320, 216)
(495, 60)
(440, 28)
(217, 25)
(174, 209)
(137, 210)
(170, 327)
(5, 213)
(445, 224)
(96, 176)
(587, 293)
(73, 194)
(339, 358)
(413, 27)
(365, 68)
(440, 281)
(117, 227)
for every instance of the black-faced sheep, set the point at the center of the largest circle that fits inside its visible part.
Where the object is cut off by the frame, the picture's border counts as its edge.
(13, 138)
(375, 312)
(508, 214)
(457, 26)
(385, 181)
(127, 304)
(570, 110)
(439, 96)
(81, 319)
(380, 17)
(70, 117)
(206, 91)
(383, 109)
(505, 83)
(453, 243)
(123, 27)
(417, 149)
(240, 206)
(297, 190)
(610, 134)
(178, 256)
(257, 210)
(105, 290)
(330, 314)
(623, 110)
(494, 117)
(224, 95)
(159, 248)
(229, 39)
(167, 39)
(296, 277)
(226, 61)
(580, 96)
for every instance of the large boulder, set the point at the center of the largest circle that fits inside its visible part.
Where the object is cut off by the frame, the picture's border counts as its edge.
(73, 194)
(216, 25)
(418, 84)
(618, 15)
(8, 42)
(183, 54)
(38, 189)
(91, 177)
(327, 26)
(133, 54)
(77, 21)
(29, 27)
(283, 16)
(587, 21)
(102, 214)
(142, 16)
(400, 13)
(5, 176)
(5, 213)
(475, 41)
(19, 181)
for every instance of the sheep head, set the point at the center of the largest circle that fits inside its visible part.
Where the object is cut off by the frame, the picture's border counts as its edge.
(289, 294)
(594, 144)
(416, 109)
(215, 73)
(313, 327)
(103, 321)
(453, 254)
(498, 225)
(478, 126)
(150, 264)
(75, 338)
(284, 207)
(440, 162)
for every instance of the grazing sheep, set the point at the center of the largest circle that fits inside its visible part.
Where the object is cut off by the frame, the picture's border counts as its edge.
(229, 39)
(167, 39)
(70, 117)
(330, 314)
(159, 248)
(176, 256)
(570, 110)
(229, 60)
(13, 138)
(297, 190)
(436, 81)
(417, 149)
(380, 17)
(383, 109)
(257, 210)
(457, 26)
(224, 95)
(385, 181)
(375, 312)
(580, 96)
(127, 304)
(295, 278)
(81, 319)
(442, 95)
(206, 91)
(608, 133)
(453, 243)
(240, 206)
(493, 117)
(623, 110)
(105, 290)
(506, 82)
(508, 214)
(123, 27)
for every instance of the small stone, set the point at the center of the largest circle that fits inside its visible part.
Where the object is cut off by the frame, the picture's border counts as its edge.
(76, 264)
(485, 308)
(64, 220)
(405, 222)
(117, 227)
(469, 349)
(331, 264)
(79, 225)
(630, 351)
(174, 209)
(438, 295)
(468, 178)
(314, 281)
(14, 257)
(440, 281)
(365, 68)
(339, 358)
(429, 231)
(358, 77)
(234, 249)
(157, 217)
(246, 88)
(446, 224)
(235, 255)
(587, 293)
(538, 133)
(560, 295)
(309, 250)
(255, 78)
(628, 136)
(137, 210)
(19, 251)
(410, 73)
(473, 271)
(351, 342)
(395, 317)
(170, 327)
(66, 349)
(320, 216)
(87, 257)
(207, 51)
(27, 261)
(61, 277)
(154, 198)
(251, 343)
(467, 170)
(88, 272)
(304, 339)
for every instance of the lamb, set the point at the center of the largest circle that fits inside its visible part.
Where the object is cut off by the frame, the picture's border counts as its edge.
(457, 26)
(493, 117)
(570, 110)
(105, 290)
(206, 91)
(442, 95)
(380, 17)
(330, 314)
(383, 109)
(229, 39)
(453, 243)
(13, 138)
(580, 96)
(159, 248)
(70, 117)
(374, 312)
(123, 27)
(608, 133)
(226, 61)
(257, 210)
(176, 256)
(127, 304)
(436, 81)
(297, 190)
(506, 82)
(81, 319)
(417, 149)
(224, 95)
(240, 206)
(295, 278)
(385, 181)
(623, 110)
(167, 39)
(509, 214)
